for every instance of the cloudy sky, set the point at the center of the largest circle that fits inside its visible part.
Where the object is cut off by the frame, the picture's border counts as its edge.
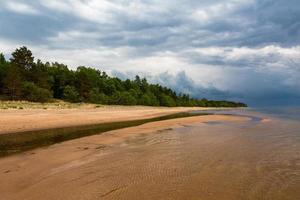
(247, 50)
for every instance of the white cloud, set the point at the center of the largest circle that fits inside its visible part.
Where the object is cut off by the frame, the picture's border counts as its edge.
(224, 10)
(58, 5)
(93, 10)
(21, 8)
(105, 11)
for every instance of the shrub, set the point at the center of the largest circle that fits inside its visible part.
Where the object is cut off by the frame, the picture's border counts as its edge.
(149, 99)
(166, 100)
(31, 92)
(123, 98)
(70, 94)
(96, 97)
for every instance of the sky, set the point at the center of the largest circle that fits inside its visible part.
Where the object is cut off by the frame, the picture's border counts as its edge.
(243, 50)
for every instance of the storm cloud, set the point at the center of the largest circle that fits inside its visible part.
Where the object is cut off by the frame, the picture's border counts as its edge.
(246, 50)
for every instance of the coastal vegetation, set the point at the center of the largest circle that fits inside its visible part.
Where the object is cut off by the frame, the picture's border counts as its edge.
(23, 78)
(54, 104)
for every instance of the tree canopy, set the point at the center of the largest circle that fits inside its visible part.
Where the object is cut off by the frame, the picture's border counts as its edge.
(21, 78)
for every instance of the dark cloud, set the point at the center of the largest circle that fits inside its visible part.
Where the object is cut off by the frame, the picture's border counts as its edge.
(227, 23)
(245, 49)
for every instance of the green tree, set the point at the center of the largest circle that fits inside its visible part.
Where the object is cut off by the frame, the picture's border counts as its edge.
(59, 77)
(12, 83)
(31, 92)
(96, 97)
(86, 79)
(71, 94)
(3, 71)
(22, 59)
(123, 98)
(22, 78)
(39, 75)
(109, 87)
(144, 85)
(149, 99)
(166, 100)
(2, 59)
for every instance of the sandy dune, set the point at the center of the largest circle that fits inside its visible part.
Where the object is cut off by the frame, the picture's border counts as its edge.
(36, 119)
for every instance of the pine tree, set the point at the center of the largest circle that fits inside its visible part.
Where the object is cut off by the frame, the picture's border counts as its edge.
(12, 83)
(22, 59)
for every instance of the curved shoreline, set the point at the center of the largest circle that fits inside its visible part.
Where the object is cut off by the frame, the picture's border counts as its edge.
(22, 173)
(23, 141)
(12, 121)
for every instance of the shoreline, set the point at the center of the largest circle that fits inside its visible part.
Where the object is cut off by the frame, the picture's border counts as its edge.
(52, 164)
(18, 142)
(16, 120)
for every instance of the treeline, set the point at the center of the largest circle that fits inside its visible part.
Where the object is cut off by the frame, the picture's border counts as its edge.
(21, 78)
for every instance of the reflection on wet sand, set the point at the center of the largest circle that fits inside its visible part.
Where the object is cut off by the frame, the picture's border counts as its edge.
(219, 159)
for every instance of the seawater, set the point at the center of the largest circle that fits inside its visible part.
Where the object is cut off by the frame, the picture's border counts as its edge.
(281, 112)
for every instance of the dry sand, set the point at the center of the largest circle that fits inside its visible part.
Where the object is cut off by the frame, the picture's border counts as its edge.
(37, 119)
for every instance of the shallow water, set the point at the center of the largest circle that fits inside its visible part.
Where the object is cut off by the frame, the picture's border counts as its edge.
(255, 160)
(211, 161)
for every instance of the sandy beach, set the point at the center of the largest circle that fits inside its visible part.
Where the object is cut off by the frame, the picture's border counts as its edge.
(14, 120)
(20, 173)
(209, 157)
(150, 100)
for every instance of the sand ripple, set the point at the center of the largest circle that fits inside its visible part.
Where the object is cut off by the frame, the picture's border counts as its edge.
(210, 161)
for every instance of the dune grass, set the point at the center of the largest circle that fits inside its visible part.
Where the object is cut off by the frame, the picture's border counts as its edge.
(55, 104)
(18, 142)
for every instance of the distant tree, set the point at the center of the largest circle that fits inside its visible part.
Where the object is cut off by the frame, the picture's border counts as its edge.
(104, 75)
(118, 84)
(71, 94)
(3, 71)
(59, 77)
(22, 59)
(23, 78)
(109, 87)
(149, 99)
(166, 100)
(96, 97)
(83, 83)
(12, 83)
(32, 92)
(2, 59)
(123, 98)
(39, 75)
(144, 85)
(137, 80)
(127, 84)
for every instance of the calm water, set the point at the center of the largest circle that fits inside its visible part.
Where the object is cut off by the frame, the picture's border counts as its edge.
(282, 112)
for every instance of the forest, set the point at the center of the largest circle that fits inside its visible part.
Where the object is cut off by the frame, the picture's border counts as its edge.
(23, 78)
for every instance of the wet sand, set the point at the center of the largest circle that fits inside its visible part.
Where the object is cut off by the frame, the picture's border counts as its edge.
(203, 157)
